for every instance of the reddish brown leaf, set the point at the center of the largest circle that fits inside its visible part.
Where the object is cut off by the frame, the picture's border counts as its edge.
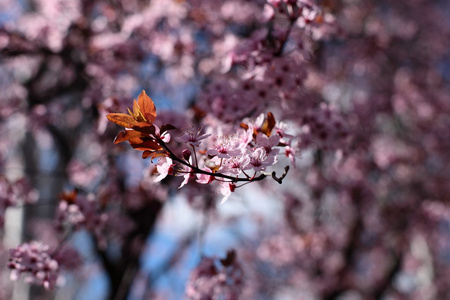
(229, 259)
(152, 154)
(147, 107)
(142, 145)
(146, 154)
(144, 128)
(123, 120)
(137, 113)
(126, 135)
(69, 197)
(269, 124)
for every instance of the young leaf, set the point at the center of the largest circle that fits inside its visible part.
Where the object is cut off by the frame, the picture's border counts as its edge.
(147, 107)
(269, 124)
(142, 145)
(144, 128)
(69, 197)
(123, 120)
(126, 135)
(137, 113)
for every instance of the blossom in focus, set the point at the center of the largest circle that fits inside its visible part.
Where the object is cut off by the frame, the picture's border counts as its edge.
(268, 143)
(165, 136)
(259, 159)
(163, 167)
(192, 137)
(225, 188)
(225, 147)
(235, 165)
(205, 178)
(186, 172)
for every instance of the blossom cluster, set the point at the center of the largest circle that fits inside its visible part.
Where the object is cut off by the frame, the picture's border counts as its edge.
(15, 193)
(368, 106)
(325, 127)
(35, 262)
(226, 156)
(75, 212)
(217, 279)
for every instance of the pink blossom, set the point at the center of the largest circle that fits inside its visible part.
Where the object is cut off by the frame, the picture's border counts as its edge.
(192, 137)
(215, 278)
(165, 137)
(34, 260)
(290, 153)
(225, 188)
(234, 166)
(225, 147)
(14, 193)
(259, 159)
(68, 258)
(82, 213)
(285, 75)
(205, 178)
(69, 213)
(280, 129)
(245, 137)
(186, 172)
(164, 167)
(268, 143)
(257, 122)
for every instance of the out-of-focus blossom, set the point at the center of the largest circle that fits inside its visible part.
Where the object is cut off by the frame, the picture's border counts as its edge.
(217, 279)
(82, 212)
(14, 193)
(34, 261)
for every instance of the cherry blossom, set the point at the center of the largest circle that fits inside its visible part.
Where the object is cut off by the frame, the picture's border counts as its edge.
(164, 167)
(268, 143)
(226, 188)
(211, 279)
(353, 94)
(225, 147)
(192, 137)
(185, 171)
(235, 165)
(259, 160)
(205, 178)
(35, 262)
